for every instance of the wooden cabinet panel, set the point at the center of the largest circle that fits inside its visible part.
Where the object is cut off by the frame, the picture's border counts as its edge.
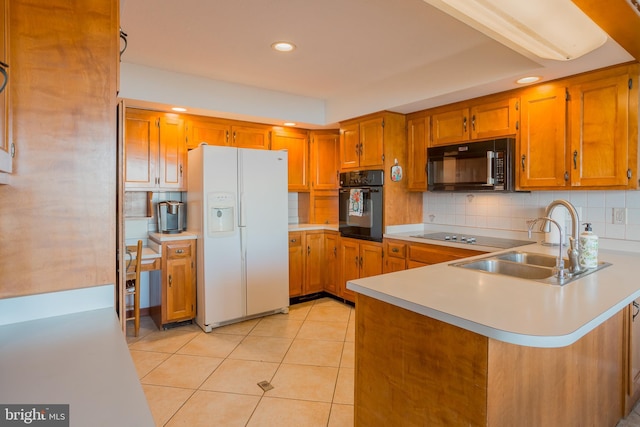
(324, 160)
(494, 119)
(358, 259)
(395, 253)
(371, 143)
(296, 144)
(324, 207)
(632, 355)
(599, 132)
(331, 261)
(141, 148)
(178, 284)
(449, 127)
(350, 146)
(296, 264)
(542, 150)
(251, 136)
(417, 141)
(211, 131)
(433, 254)
(173, 152)
(314, 243)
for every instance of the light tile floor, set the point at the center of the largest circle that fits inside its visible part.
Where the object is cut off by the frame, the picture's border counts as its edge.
(192, 378)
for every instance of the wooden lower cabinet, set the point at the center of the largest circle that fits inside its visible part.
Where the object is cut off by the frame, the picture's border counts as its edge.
(358, 259)
(632, 365)
(412, 370)
(178, 283)
(400, 254)
(306, 262)
(331, 266)
(395, 254)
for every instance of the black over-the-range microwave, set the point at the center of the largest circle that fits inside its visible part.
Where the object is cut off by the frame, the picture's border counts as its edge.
(476, 166)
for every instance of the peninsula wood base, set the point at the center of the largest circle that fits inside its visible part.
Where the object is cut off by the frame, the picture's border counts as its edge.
(412, 370)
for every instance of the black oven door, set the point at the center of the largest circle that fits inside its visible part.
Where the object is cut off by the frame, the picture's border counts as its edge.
(361, 213)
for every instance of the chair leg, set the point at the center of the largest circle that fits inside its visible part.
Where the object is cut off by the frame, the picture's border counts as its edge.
(136, 310)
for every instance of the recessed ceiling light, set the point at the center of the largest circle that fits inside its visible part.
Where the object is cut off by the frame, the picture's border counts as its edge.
(283, 46)
(528, 79)
(289, 124)
(179, 109)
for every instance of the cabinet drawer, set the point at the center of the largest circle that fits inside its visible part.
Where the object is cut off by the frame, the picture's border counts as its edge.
(433, 254)
(396, 250)
(178, 250)
(295, 239)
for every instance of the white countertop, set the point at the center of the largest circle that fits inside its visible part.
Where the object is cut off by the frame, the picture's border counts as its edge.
(167, 237)
(509, 309)
(309, 227)
(80, 359)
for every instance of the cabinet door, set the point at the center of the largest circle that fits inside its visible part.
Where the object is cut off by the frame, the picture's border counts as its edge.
(417, 137)
(173, 151)
(450, 127)
(599, 135)
(370, 259)
(314, 263)
(179, 276)
(331, 261)
(250, 137)
(371, 143)
(350, 146)
(6, 161)
(324, 161)
(210, 131)
(494, 119)
(395, 253)
(542, 150)
(140, 149)
(296, 264)
(349, 266)
(634, 350)
(297, 146)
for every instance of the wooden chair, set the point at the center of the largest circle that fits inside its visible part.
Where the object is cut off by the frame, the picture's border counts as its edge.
(132, 291)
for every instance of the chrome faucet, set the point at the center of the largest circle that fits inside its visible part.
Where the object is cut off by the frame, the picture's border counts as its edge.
(558, 271)
(574, 241)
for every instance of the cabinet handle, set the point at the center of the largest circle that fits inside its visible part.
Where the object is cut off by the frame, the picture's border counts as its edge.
(4, 75)
(170, 280)
(123, 37)
(360, 262)
(234, 137)
(227, 136)
(473, 122)
(395, 250)
(636, 307)
(575, 159)
(179, 251)
(293, 240)
(335, 251)
(464, 124)
(356, 259)
(308, 250)
(522, 161)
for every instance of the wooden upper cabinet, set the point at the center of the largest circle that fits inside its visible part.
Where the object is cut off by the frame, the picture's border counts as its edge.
(324, 160)
(417, 140)
(296, 143)
(350, 146)
(173, 150)
(248, 136)
(599, 132)
(211, 131)
(6, 159)
(449, 127)
(541, 161)
(154, 151)
(474, 120)
(362, 144)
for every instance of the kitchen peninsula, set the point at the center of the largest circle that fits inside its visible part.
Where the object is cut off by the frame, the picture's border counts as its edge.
(443, 345)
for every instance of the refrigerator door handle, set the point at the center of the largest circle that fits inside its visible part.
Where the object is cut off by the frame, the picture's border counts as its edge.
(243, 266)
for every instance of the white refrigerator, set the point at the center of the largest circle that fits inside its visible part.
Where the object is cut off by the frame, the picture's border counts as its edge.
(237, 204)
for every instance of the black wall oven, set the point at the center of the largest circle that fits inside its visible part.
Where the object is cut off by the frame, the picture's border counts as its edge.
(360, 204)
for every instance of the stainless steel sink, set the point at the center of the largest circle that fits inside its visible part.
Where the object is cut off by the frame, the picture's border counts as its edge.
(530, 258)
(523, 271)
(524, 265)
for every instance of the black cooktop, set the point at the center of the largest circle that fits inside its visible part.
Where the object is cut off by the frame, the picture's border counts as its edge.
(493, 242)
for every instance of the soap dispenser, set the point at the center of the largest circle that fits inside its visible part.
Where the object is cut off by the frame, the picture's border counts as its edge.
(589, 248)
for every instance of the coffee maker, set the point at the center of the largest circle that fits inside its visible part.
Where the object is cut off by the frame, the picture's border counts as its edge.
(171, 217)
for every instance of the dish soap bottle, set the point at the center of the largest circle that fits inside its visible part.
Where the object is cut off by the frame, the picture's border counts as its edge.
(589, 246)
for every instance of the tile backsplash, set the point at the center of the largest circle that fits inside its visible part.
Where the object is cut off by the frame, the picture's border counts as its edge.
(510, 211)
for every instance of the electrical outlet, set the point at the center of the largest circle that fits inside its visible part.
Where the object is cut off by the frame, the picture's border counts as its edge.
(619, 216)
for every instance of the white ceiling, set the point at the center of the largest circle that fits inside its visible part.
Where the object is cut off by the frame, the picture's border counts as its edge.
(353, 57)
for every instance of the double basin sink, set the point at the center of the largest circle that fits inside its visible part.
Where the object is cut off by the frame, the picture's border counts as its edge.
(525, 265)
